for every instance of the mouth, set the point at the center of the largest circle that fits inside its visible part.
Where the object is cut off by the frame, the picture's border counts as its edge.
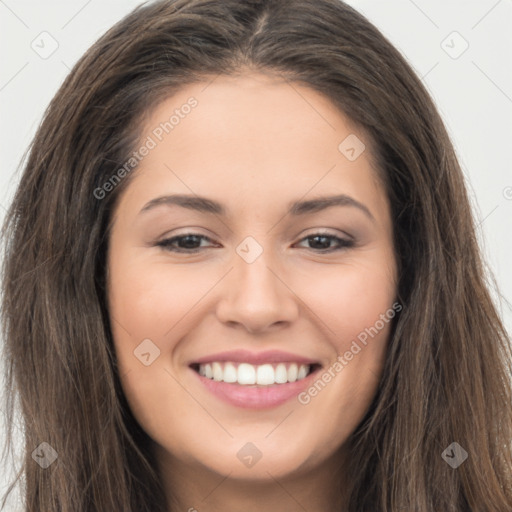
(246, 374)
(255, 381)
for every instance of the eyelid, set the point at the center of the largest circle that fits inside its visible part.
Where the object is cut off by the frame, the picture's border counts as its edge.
(190, 231)
(165, 242)
(327, 232)
(344, 242)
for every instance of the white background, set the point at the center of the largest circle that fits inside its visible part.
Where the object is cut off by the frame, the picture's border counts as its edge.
(473, 92)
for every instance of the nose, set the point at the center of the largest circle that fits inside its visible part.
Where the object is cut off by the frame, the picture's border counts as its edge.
(256, 296)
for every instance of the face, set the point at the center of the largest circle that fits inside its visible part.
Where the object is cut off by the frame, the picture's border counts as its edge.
(250, 318)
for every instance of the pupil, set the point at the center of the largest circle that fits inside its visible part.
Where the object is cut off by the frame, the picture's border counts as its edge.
(316, 238)
(189, 241)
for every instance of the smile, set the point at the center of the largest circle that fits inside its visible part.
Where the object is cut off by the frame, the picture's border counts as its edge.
(256, 381)
(247, 374)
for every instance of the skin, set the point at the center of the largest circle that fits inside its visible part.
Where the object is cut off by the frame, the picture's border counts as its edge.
(254, 143)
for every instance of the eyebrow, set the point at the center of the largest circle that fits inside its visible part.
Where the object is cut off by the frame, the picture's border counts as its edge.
(295, 208)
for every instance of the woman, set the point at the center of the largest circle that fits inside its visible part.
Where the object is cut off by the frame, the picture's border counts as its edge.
(241, 271)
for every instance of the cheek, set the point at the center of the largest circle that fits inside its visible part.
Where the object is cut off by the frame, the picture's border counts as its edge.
(349, 299)
(150, 301)
(356, 306)
(355, 303)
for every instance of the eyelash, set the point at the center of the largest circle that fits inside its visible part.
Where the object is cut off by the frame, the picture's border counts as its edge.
(167, 243)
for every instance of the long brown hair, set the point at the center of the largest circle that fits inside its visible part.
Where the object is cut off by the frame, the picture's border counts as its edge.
(447, 372)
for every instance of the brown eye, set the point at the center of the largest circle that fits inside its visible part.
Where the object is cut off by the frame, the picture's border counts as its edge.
(189, 242)
(322, 242)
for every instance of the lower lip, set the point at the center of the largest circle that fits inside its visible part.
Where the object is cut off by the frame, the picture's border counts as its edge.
(256, 397)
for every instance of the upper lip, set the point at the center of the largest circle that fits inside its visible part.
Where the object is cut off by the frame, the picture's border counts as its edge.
(255, 358)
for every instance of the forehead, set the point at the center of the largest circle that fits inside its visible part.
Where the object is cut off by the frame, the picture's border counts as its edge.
(253, 137)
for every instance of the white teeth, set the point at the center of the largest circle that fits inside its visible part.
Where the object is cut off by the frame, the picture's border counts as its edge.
(265, 375)
(281, 374)
(218, 374)
(230, 374)
(302, 372)
(292, 373)
(248, 374)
